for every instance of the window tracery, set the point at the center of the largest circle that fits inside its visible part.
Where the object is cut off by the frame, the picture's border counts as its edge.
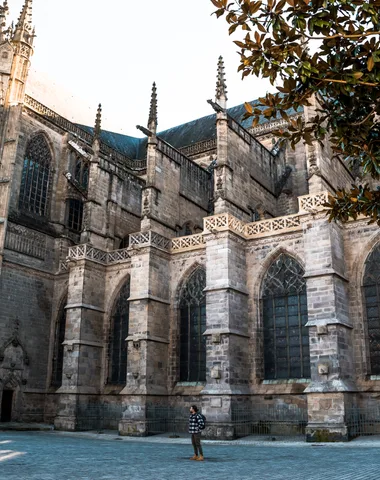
(371, 287)
(192, 326)
(284, 304)
(35, 177)
(119, 333)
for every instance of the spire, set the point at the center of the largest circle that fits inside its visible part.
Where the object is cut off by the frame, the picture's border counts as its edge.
(152, 122)
(221, 87)
(3, 17)
(24, 29)
(98, 122)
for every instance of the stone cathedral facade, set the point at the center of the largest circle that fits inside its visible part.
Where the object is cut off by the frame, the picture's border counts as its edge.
(194, 265)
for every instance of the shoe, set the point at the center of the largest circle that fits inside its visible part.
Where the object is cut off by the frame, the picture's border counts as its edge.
(200, 458)
(195, 457)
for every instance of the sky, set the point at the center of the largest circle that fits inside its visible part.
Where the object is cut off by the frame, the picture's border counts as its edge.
(95, 51)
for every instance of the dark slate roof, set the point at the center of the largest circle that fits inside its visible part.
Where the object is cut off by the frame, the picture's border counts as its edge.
(125, 144)
(183, 135)
(191, 132)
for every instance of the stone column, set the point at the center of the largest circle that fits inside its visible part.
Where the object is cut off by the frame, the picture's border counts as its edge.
(10, 118)
(331, 353)
(146, 383)
(227, 331)
(95, 208)
(223, 171)
(83, 341)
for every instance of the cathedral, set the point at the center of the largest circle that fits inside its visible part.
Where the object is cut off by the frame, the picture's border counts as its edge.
(139, 276)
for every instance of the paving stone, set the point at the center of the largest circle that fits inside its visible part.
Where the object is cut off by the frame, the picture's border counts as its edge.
(52, 456)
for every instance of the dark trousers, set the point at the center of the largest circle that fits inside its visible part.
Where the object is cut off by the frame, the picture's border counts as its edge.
(196, 441)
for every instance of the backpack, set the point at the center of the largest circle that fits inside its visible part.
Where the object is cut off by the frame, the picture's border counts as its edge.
(202, 427)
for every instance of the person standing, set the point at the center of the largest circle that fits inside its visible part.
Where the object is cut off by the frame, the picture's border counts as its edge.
(196, 424)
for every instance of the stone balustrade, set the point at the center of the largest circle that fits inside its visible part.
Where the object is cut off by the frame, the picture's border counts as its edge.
(88, 252)
(149, 239)
(312, 203)
(272, 226)
(190, 242)
(216, 223)
(223, 222)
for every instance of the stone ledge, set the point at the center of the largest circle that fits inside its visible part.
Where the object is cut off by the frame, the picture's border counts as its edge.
(83, 305)
(225, 331)
(286, 381)
(331, 386)
(149, 297)
(227, 286)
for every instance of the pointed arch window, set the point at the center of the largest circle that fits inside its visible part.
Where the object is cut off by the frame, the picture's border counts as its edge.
(35, 178)
(192, 328)
(371, 287)
(284, 305)
(75, 214)
(119, 333)
(81, 172)
(58, 346)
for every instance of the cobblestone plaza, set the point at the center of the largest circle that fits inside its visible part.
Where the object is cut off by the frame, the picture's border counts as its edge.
(52, 456)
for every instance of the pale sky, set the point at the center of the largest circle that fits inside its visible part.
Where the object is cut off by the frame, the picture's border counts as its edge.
(91, 51)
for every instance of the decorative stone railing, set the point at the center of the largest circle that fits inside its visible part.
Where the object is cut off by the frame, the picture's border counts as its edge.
(190, 242)
(149, 239)
(23, 240)
(63, 267)
(223, 222)
(271, 226)
(88, 252)
(268, 127)
(117, 256)
(216, 223)
(82, 134)
(312, 203)
(307, 204)
(199, 147)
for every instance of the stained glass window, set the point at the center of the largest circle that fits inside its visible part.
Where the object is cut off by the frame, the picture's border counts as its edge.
(192, 327)
(119, 333)
(284, 304)
(371, 287)
(35, 177)
(58, 346)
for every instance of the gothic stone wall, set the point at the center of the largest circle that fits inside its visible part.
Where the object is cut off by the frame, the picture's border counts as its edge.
(169, 206)
(360, 239)
(31, 126)
(181, 267)
(26, 302)
(251, 179)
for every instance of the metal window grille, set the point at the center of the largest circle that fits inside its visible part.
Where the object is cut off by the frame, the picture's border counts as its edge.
(363, 421)
(192, 327)
(371, 287)
(119, 333)
(278, 420)
(284, 304)
(99, 415)
(35, 177)
(58, 347)
(75, 216)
